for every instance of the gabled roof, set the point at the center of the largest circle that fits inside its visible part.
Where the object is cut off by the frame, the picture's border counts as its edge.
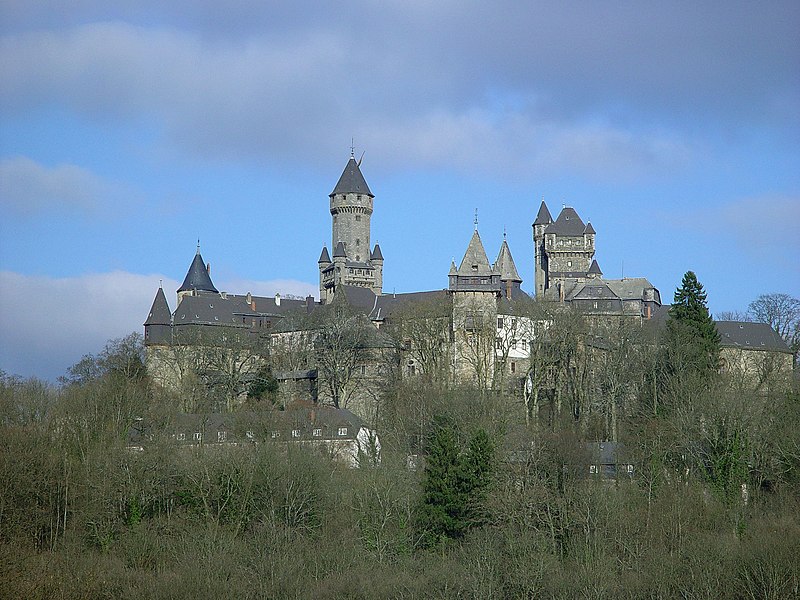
(475, 261)
(543, 216)
(594, 269)
(352, 181)
(750, 336)
(376, 253)
(159, 313)
(505, 264)
(339, 250)
(568, 223)
(324, 257)
(197, 278)
(630, 288)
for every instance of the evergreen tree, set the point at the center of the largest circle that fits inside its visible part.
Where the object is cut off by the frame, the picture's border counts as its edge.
(455, 484)
(692, 333)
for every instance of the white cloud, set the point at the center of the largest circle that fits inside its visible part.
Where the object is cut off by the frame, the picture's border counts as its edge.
(47, 324)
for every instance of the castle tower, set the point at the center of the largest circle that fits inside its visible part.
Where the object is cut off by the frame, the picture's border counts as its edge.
(475, 288)
(351, 204)
(543, 219)
(510, 280)
(158, 324)
(198, 278)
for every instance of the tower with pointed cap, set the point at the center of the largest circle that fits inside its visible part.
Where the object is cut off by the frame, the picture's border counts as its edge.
(563, 249)
(198, 278)
(355, 262)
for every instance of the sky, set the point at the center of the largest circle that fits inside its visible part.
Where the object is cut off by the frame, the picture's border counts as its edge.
(128, 131)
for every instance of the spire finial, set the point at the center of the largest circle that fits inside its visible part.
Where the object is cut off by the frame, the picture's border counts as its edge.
(198, 245)
(476, 219)
(161, 284)
(352, 148)
(504, 233)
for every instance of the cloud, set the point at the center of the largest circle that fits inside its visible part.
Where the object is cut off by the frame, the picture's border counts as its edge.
(292, 83)
(28, 188)
(47, 324)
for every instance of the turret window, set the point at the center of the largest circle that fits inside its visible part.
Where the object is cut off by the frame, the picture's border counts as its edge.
(358, 217)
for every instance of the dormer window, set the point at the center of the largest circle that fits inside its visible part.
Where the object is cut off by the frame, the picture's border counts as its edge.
(475, 267)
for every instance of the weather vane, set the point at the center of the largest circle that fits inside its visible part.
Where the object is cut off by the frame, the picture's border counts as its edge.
(476, 219)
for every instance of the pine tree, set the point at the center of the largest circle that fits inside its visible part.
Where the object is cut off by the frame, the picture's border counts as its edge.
(692, 332)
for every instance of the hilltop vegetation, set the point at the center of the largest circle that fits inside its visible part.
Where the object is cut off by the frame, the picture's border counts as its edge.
(500, 508)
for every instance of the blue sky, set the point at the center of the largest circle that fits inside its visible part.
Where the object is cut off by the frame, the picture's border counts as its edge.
(130, 130)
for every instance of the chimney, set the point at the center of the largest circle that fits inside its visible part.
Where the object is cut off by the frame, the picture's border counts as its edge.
(208, 268)
(277, 299)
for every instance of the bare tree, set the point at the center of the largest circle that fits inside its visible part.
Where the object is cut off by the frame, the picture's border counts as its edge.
(782, 313)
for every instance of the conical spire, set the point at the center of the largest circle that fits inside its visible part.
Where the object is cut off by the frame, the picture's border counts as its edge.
(197, 278)
(159, 312)
(543, 216)
(589, 228)
(324, 257)
(453, 269)
(352, 181)
(475, 261)
(339, 251)
(594, 269)
(505, 266)
(376, 253)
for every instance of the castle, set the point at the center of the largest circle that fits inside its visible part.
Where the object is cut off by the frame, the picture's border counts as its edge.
(483, 301)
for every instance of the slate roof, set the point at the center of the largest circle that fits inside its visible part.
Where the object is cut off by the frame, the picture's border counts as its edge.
(594, 269)
(475, 256)
(750, 336)
(568, 223)
(230, 309)
(387, 304)
(376, 253)
(505, 264)
(589, 228)
(197, 278)
(160, 314)
(352, 181)
(324, 257)
(543, 216)
(339, 250)
(630, 288)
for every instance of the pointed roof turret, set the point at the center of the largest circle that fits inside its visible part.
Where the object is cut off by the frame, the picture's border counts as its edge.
(543, 216)
(589, 228)
(505, 266)
(376, 253)
(568, 223)
(475, 261)
(159, 312)
(453, 269)
(197, 278)
(594, 269)
(352, 181)
(324, 257)
(339, 250)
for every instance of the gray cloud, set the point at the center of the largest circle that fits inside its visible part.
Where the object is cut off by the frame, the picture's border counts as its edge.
(288, 83)
(28, 188)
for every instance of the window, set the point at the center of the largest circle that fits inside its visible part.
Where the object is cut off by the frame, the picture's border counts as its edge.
(513, 367)
(358, 217)
(593, 469)
(412, 369)
(222, 436)
(358, 242)
(524, 344)
(317, 432)
(250, 435)
(181, 437)
(569, 263)
(629, 469)
(363, 369)
(276, 434)
(342, 430)
(198, 436)
(295, 433)
(498, 344)
(499, 322)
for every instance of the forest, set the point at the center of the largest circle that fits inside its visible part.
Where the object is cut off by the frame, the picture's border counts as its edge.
(498, 501)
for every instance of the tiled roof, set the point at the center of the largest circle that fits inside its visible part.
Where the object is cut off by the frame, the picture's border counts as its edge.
(543, 216)
(750, 336)
(324, 257)
(568, 223)
(376, 253)
(505, 264)
(197, 278)
(351, 181)
(160, 313)
(475, 261)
